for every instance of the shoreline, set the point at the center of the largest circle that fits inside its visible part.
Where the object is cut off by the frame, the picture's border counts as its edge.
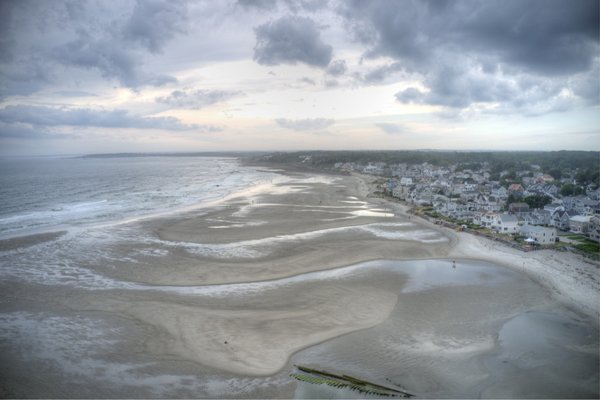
(571, 277)
(262, 241)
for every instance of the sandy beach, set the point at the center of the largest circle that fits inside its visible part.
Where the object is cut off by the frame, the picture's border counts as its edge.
(222, 300)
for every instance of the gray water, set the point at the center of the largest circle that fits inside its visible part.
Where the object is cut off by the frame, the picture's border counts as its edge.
(52, 193)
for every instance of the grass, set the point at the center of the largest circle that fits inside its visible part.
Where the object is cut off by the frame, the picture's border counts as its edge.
(575, 236)
(588, 246)
(585, 245)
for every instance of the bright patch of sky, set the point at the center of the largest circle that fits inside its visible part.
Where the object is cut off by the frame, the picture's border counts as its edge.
(162, 75)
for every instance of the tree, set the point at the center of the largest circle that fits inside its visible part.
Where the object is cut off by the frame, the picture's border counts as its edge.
(568, 189)
(555, 173)
(537, 200)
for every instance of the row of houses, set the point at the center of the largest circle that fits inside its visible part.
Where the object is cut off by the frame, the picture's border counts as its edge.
(483, 205)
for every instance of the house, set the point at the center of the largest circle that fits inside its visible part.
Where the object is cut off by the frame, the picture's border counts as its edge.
(552, 207)
(593, 194)
(506, 223)
(406, 181)
(518, 208)
(561, 219)
(516, 189)
(469, 195)
(594, 229)
(542, 235)
(538, 217)
(485, 219)
(499, 192)
(400, 192)
(579, 223)
(589, 207)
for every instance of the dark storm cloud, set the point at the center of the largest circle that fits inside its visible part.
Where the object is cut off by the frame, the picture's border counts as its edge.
(291, 40)
(195, 99)
(544, 36)
(40, 116)
(478, 51)
(303, 125)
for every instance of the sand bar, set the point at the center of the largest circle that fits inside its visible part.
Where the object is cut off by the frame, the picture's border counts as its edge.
(248, 307)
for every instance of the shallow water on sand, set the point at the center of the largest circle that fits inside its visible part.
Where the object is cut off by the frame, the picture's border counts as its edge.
(460, 329)
(468, 329)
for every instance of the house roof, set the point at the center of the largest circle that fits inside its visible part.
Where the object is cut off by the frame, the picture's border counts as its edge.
(508, 218)
(536, 228)
(581, 218)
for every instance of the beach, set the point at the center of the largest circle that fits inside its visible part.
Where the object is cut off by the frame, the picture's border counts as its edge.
(222, 300)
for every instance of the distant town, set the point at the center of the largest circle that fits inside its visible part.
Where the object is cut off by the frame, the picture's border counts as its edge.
(557, 204)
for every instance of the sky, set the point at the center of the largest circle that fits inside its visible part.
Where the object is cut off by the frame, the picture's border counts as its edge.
(80, 77)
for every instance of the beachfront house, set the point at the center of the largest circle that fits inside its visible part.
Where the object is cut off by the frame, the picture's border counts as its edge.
(541, 235)
(485, 219)
(594, 229)
(579, 223)
(561, 219)
(506, 223)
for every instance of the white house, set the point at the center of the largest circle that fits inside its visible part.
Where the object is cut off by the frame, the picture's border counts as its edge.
(579, 223)
(506, 223)
(406, 181)
(542, 235)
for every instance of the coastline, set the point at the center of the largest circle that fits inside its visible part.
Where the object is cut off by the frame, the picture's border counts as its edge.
(572, 278)
(248, 307)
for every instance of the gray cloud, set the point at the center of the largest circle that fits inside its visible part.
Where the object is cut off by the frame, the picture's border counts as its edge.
(291, 40)
(380, 74)
(459, 86)
(261, 5)
(544, 36)
(19, 131)
(500, 44)
(195, 99)
(74, 93)
(337, 68)
(294, 6)
(113, 40)
(40, 116)
(155, 22)
(303, 125)
(308, 81)
(391, 129)
(410, 95)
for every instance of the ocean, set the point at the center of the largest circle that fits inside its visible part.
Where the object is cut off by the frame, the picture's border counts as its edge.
(55, 193)
(98, 206)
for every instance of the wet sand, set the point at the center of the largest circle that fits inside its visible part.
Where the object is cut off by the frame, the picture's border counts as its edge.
(222, 301)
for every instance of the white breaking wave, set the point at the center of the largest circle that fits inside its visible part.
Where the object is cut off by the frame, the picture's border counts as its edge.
(261, 247)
